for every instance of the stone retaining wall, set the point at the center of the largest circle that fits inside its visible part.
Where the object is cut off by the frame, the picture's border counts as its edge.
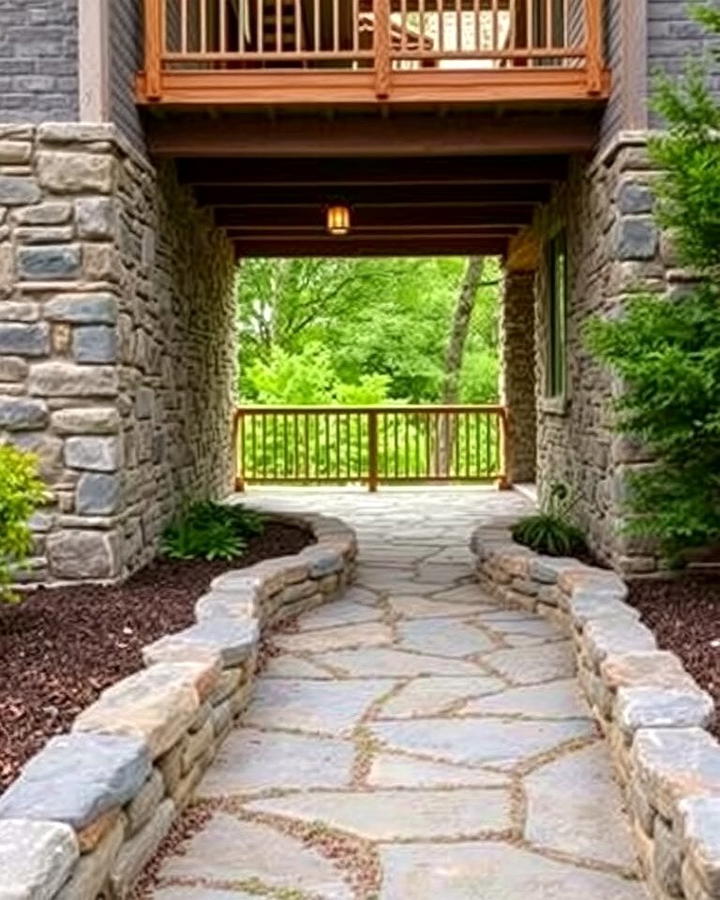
(650, 709)
(89, 811)
(117, 344)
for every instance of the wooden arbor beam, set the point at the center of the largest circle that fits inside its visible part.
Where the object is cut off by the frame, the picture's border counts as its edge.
(383, 219)
(368, 136)
(392, 171)
(374, 245)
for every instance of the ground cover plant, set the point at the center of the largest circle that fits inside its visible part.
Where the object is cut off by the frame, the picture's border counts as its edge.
(210, 530)
(666, 349)
(552, 531)
(21, 494)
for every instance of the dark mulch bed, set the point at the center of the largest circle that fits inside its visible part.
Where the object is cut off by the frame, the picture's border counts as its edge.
(61, 648)
(684, 613)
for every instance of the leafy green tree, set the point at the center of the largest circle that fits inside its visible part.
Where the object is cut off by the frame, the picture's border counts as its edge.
(667, 349)
(373, 317)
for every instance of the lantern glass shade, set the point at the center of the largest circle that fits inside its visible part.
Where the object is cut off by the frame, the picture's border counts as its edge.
(338, 219)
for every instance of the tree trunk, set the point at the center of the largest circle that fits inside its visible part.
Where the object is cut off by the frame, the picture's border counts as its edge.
(450, 392)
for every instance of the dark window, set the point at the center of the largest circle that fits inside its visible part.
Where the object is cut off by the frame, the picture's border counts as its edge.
(557, 317)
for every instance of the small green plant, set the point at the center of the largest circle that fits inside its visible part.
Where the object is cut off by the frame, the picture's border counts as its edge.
(21, 493)
(209, 530)
(551, 531)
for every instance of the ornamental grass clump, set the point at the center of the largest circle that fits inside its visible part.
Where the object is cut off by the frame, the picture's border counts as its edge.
(551, 531)
(666, 349)
(209, 530)
(21, 494)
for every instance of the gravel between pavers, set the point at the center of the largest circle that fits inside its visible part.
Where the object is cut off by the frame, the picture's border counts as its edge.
(684, 614)
(62, 647)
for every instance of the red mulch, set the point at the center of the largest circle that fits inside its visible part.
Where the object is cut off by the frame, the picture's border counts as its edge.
(684, 613)
(61, 648)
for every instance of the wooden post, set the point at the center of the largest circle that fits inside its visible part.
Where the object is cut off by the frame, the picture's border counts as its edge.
(373, 451)
(594, 52)
(381, 47)
(503, 482)
(154, 42)
(238, 451)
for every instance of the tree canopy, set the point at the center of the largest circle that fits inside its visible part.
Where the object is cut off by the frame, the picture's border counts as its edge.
(361, 331)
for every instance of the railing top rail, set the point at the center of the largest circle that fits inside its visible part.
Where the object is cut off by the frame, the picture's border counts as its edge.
(356, 410)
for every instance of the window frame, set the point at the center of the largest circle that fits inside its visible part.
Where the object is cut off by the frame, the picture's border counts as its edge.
(556, 299)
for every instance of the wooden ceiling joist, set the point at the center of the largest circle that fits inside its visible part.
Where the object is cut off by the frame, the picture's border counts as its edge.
(354, 245)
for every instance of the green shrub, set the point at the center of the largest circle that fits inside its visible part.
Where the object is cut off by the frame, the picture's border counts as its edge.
(21, 493)
(666, 350)
(209, 530)
(551, 531)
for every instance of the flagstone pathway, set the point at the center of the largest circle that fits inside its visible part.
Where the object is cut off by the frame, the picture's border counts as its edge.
(411, 741)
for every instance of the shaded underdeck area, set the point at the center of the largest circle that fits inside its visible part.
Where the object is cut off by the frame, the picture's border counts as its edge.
(412, 739)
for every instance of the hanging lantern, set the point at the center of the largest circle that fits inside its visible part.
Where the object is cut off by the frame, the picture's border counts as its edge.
(338, 219)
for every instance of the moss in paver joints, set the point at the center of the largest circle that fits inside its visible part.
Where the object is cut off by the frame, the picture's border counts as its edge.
(355, 857)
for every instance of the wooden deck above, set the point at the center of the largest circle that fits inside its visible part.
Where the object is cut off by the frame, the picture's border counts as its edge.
(250, 53)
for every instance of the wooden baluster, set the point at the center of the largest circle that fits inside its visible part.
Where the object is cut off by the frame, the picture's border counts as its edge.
(594, 55)
(222, 18)
(373, 451)
(154, 42)
(381, 46)
(183, 26)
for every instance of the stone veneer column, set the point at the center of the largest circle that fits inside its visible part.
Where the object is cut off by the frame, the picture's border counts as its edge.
(117, 355)
(614, 250)
(517, 381)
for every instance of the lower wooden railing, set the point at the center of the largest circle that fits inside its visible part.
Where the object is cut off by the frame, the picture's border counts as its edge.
(370, 445)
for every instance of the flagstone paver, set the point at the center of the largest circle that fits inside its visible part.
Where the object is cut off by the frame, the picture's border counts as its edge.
(411, 741)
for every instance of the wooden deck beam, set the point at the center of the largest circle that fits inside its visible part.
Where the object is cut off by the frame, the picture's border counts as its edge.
(565, 132)
(354, 245)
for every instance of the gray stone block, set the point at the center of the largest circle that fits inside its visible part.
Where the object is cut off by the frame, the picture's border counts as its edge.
(36, 858)
(86, 420)
(90, 873)
(49, 263)
(602, 637)
(19, 339)
(95, 454)
(322, 561)
(671, 763)
(96, 218)
(60, 379)
(55, 213)
(21, 414)
(667, 858)
(636, 238)
(82, 554)
(13, 368)
(74, 173)
(144, 403)
(16, 191)
(700, 818)
(662, 707)
(94, 344)
(98, 494)
(76, 778)
(85, 309)
(635, 198)
(232, 640)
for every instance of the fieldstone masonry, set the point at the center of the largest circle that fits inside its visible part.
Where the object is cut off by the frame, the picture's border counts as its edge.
(517, 387)
(614, 250)
(117, 354)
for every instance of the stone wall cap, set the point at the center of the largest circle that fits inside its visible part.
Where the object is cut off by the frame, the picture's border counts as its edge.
(601, 637)
(649, 668)
(36, 858)
(76, 778)
(648, 706)
(228, 640)
(322, 560)
(587, 607)
(226, 605)
(156, 704)
(700, 828)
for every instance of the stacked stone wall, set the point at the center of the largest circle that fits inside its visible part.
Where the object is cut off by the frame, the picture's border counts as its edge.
(117, 352)
(649, 708)
(614, 249)
(90, 810)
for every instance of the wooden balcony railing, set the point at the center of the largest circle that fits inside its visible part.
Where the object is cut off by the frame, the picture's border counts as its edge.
(258, 51)
(370, 445)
